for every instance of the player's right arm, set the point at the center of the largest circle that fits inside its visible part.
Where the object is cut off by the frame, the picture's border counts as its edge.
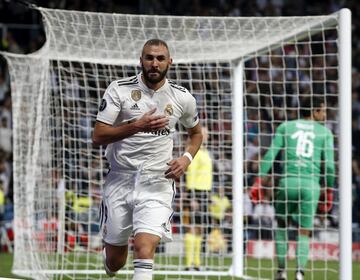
(105, 132)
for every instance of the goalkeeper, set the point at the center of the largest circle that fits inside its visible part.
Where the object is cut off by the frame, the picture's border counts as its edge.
(307, 144)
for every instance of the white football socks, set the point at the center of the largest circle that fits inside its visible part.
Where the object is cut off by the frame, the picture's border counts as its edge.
(143, 269)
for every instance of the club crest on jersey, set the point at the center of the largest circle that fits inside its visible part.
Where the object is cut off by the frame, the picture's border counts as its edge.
(169, 110)
(136, 95)
(102, 105)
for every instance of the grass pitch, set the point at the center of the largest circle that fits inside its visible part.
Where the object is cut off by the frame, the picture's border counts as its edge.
(258, 269)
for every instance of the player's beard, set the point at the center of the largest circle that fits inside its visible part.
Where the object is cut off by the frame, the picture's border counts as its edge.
(154, 80)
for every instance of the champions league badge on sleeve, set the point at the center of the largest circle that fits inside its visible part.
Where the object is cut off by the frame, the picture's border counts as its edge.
(102, 105)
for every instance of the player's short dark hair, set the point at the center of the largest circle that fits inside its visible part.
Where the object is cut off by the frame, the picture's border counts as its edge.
(308, 104)
(156, 42)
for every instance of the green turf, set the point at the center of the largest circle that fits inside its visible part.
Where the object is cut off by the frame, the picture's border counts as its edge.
(256, 268)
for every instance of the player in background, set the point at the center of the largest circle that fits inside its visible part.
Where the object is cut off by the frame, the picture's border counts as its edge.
(307, 149)
(199, 180)
(136, 120)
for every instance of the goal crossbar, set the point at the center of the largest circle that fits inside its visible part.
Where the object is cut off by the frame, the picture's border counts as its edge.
(234, 35)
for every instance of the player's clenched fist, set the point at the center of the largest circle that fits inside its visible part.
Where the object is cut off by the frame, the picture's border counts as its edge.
(150, 122)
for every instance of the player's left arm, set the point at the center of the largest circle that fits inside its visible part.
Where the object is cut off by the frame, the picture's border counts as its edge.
(329, 160)
(189, 119)
(178, 166)
(276, 145)
(327, 196)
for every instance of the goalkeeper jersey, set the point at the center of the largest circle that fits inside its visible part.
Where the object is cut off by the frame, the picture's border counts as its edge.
(308, 147)
(129, 99)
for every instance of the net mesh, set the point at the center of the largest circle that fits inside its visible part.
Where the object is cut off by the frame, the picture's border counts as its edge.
(275, 84)
(58, 173)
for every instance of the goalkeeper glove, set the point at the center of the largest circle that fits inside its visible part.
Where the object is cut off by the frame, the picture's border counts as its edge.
(326, 200)
(256, 191)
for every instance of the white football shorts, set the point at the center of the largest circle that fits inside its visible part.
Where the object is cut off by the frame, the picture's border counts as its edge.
(134, 203)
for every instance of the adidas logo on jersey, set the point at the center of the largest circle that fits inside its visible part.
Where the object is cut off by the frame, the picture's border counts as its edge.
(134, 107)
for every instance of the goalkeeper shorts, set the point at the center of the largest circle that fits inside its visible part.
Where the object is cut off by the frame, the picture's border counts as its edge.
(297, 198)
(132, 204)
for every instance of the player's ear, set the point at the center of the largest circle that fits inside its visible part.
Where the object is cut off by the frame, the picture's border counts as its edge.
(170, 60)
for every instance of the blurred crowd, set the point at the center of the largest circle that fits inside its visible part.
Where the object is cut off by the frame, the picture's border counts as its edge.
(21, 32)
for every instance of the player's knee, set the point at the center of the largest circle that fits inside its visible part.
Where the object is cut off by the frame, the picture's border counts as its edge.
(116, 257)
(143, 251)
(114, 263)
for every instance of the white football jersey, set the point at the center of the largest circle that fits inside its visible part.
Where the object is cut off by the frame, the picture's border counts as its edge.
(128, 99)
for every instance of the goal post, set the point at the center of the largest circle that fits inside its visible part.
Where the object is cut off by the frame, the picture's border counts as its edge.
(345, 172)
(247, 75)
(238, 158)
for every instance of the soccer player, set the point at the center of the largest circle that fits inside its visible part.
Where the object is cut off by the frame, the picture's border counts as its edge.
(136, 120)
(308, 147)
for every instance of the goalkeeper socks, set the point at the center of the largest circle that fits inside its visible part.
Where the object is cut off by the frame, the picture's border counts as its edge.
(189, 240)
(197, 250)
(281, 244)
(143, 269)
(302, 251)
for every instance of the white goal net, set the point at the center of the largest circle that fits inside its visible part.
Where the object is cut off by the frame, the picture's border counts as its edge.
(245, 73)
